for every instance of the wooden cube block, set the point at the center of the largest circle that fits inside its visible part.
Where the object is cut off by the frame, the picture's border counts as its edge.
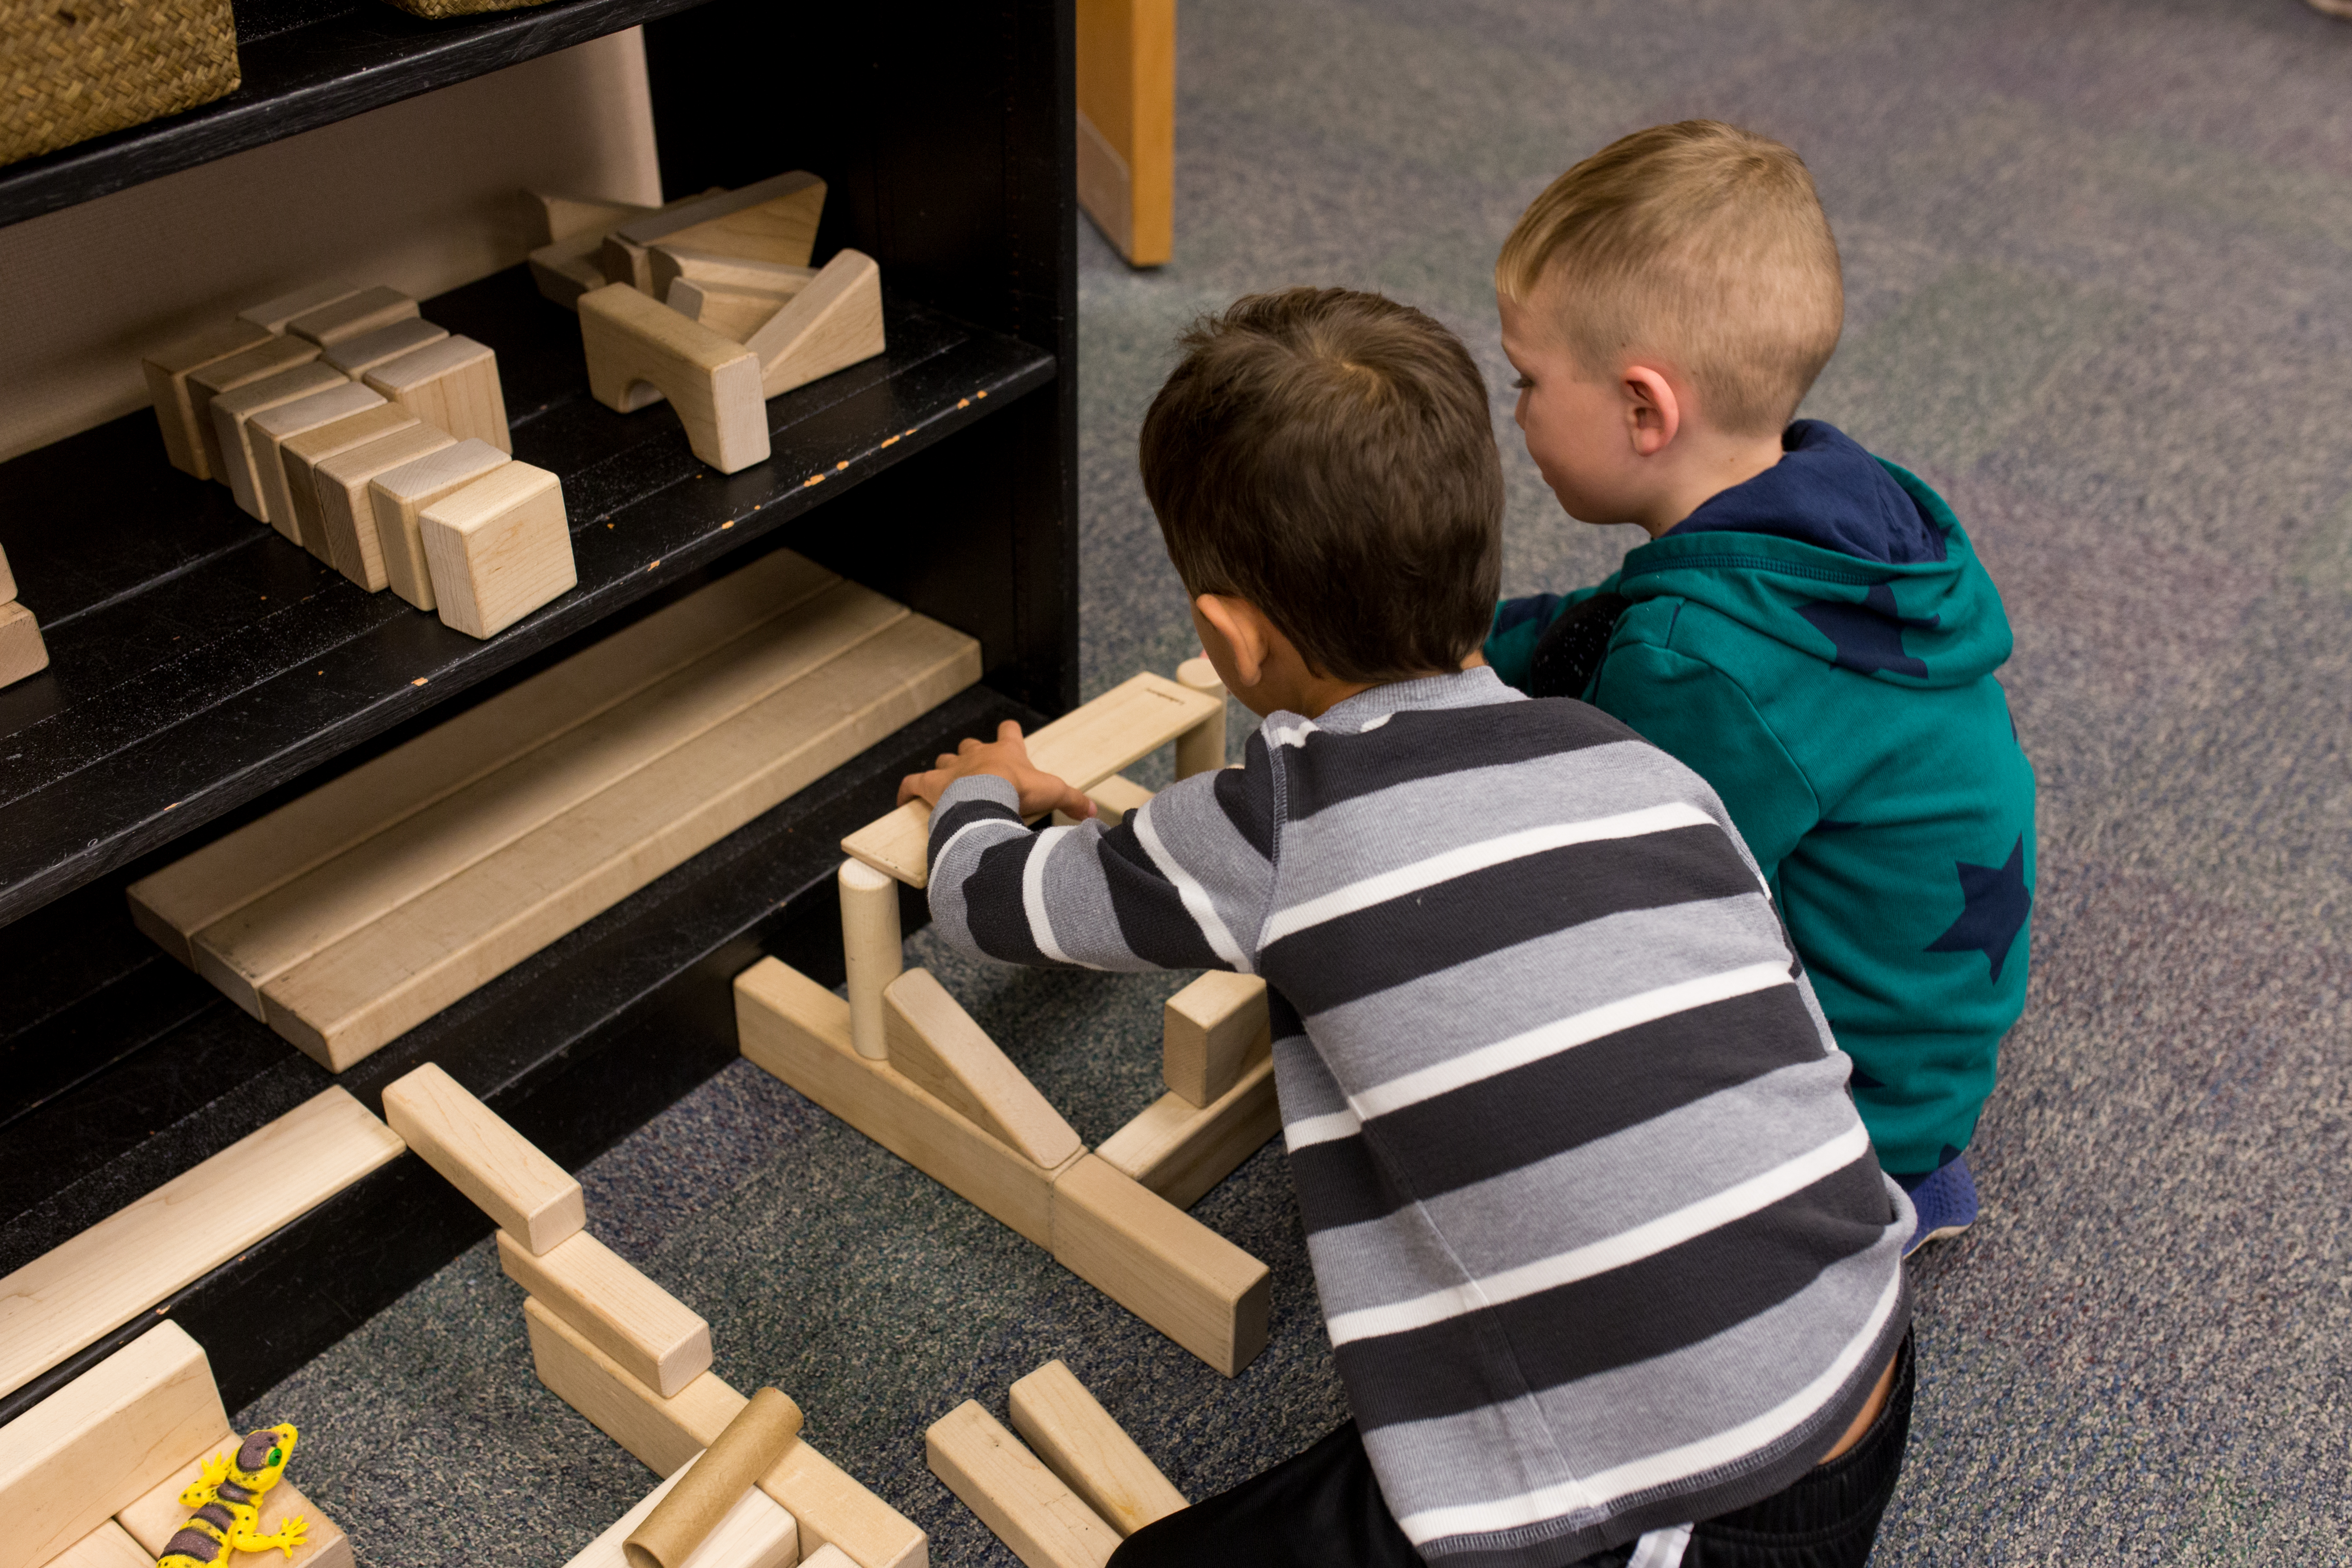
(348, 318)
(259, 363)
(155, 1518)
(22, 651)
(829, 325)
(498, 549)
(273, 314)
(1210, 1032)
(167, 371)
(355, 356)
(657, 1338)
(266, 434)
(398, 496)
(1029, 1507)
(452, 386)
(238, 451)
(530, 1197)
(303, 453)
(640, 351)
(1067, 1427)
(344, 508)
(1160, 1264)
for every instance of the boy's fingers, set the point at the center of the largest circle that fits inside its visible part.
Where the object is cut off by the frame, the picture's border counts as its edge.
(910, 788)
(1008, 731)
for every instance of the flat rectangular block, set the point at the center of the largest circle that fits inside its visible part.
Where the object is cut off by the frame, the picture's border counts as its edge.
(273, 314)
(355, 356)
(22, 651)
(301, 455)
(1212, 1031)
(397, 499)
(757, 1532)
(1027, 1505)
(155, 1518)
(346, 513)
(266, 434)
(933, 1041)
(643, 1328)
(1160, 1264)
(1180, 1150)
(1069, 1428)
(529, 1196)
(364, 311)
(452, 384)
(498, 549)
(167, 370)
(273, 357)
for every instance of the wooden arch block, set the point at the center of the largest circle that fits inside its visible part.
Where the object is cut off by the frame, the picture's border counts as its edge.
(640, 351)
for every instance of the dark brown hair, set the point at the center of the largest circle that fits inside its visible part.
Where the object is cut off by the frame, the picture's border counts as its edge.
(1329, 457)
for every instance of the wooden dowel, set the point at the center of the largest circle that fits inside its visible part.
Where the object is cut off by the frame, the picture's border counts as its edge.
(1201, 748)
(872, 950)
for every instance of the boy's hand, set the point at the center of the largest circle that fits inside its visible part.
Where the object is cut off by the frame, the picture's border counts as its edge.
(1005, 758)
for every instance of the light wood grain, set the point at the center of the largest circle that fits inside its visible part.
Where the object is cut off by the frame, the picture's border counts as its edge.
(560, 217)
(396, 501)
(734, 313)
(273, 314)
(1202, 747)
(528, 1195)
(364, 311)
(1084, 747)
(640, 351)
(672, 261)
(565, 270)
(355, 356)
(1116, 796)
(108, 1546)
(167, 370)
(1160, 1264)
(7, 581)
(498, 549)
(1027, 1507)
(1180, 1150)
(101, 1279)
(873, 952)
(301, 455)
(22, 651)
(1067, 1427)
(155, 1518)
(266, 434)
(1211, 1031)
(453, 385)
(757, 1532)
(662, 1342)
(228, 414)
(933, 1041)
(799, 1031)
(345, 512)
(834, 321)
(774, 220)
(103, 1441)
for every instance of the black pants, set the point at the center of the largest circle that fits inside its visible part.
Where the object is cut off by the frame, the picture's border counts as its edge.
(1324, 1510)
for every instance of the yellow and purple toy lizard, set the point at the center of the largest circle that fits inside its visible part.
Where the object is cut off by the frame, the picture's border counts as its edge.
(226, 1497)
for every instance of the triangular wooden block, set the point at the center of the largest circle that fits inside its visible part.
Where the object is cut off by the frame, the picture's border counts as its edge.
(934, 1042)
(829, 325)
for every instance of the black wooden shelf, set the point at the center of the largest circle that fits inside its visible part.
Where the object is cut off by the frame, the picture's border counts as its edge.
(198, 660)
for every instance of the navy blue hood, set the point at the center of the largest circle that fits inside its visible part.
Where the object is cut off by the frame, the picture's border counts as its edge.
(1828, 492)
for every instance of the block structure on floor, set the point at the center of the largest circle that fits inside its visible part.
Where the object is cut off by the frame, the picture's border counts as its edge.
(1028, 1507)
(659, 1340)
(498, 549)
(157, 1516)
(758, 1532)
(1067, 1427)
(933, 1041)
(528, 1195)
(1212, 1032)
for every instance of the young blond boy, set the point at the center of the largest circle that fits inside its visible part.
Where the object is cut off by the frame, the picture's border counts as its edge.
(1808, 628)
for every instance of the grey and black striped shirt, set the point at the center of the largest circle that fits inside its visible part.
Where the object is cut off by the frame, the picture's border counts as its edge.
(1598, 1235)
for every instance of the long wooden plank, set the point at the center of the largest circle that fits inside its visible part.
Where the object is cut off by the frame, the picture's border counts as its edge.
(531, 1198)
(68, 1298)
(663, 1343)
(349, 999)
(1066, 1426)
(935, 1042)
(157, 1516)
(1160, 1264)
(1180, 1150)
(201, 888)
(1028, 1507)
(1084, 747)
(757, 1532)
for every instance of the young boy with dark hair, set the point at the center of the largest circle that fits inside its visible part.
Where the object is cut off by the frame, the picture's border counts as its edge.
(1808, 626)
(1608, 1266)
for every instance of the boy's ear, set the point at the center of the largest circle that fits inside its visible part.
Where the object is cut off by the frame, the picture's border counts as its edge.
(1654, 415)
(1244, 629)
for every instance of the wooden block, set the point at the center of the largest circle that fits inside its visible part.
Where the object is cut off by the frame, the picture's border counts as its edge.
(799, 1031)
(267, 433)
(348, 999)
(364, 311)
(1085, 746)
(346, 513)
(839, 1516)
(640, 351)
(397, 499)
(828, 1557)
(452, 384)
(1160, 1264)
(567, 269)
(167, 370)
(934, 1042)
(872, 950)
(498, 549)
(1069, 1428)
(1202, 748)
(529, 1196)
(239, 867)
(155, 1518)
(69, 1297)
(241, 450)
(101, 1441)
(774, 220)
(1030, 1510)
(1180, 1150)
(355, 356)
(758, 1532)
(273, 314)
(7, 581)
(108, 1546)
(301, 455)
(1114, 798)
(22, 651)
(561, 217)
(1211, 1031)
(734, 313)
(672, 261)
(834, 321)
(260, 363)
(643, 1327)
(1127, 123)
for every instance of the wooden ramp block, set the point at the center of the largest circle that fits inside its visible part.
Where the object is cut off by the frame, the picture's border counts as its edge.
(644, 1328)
(774, 220)
(498, 549)
(757, 1532)
(302, 455)
(933, 1041)
(167, 371)
(103, 1441)
(346, 513)
(22, 651)
(154, 1518)
(1069, 1428)
(273, 314)
(266, 434)
(529, 1196)
(834, 321)
(734, 313)
(364, 311)
(1160, 1264)
(224, 410)
(640, 351)
(452, 384)
(798, 1030)
(118, 1267)
(1046, 1524)
(397, 499)
(872, 950)
(1202, 748)
(108, 1546)
(1180, 1150)
(355, 356)
(673, 261)
(1210, 1032)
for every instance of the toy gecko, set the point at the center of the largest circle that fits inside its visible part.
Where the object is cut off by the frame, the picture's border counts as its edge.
(226, 1497)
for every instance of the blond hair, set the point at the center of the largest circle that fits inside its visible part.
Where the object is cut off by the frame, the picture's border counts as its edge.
(1698, 241)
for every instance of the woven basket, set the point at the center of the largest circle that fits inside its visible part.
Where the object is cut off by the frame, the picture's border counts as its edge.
(440, 8)
(72, 69)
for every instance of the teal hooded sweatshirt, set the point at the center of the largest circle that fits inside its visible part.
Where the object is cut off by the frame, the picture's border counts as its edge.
(1819, 644)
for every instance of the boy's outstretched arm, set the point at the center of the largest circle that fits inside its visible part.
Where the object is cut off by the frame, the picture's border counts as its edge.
(1519, 624)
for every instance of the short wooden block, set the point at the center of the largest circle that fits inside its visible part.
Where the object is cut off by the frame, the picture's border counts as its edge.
(345, 512)
(872, 950)
(1203, 748)
(273, 314)
(834, 321)
(828, 1556)
(362, 313)
(757, 1532)
(266, 434)
(774, 220)
(1210, 1032)
(641, 1326)
(1030, 1510)
(1180, 1150)
(672, 261)
(798, 1030)
(155, 1518)
(1114, 798)
(103, 1441)
(258, 364)
(397, 499)
(22, 651)
(302, 455)
(640, 351)
(566, 268)
(1160, 1264)
(108, 1546)
(734, 313)
(1069, 1428)
(498, 549)
(529, 1196)
(452, 384)
(933, 1041)
(355, 356)
(167, 370)
(239, 450)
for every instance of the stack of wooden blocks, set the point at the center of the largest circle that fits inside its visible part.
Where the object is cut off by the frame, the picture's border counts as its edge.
(22, 651)
(709, 303)
(377, 441)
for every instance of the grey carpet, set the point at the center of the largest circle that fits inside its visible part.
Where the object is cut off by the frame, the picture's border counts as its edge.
(2097, 255)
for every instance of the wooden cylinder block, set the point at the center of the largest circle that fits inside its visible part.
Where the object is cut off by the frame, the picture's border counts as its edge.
(1202, 748)
(872, 950)
(749, 1446)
